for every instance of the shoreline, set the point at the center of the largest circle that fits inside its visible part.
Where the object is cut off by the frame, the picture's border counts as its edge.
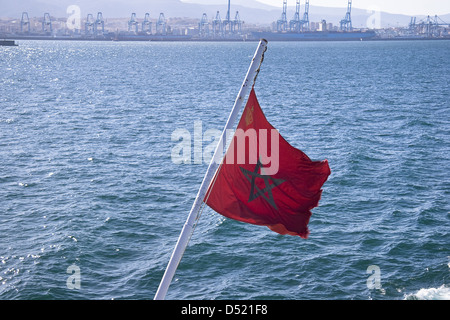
(193, 39)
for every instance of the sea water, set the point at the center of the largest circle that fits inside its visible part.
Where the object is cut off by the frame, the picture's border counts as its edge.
(92, 203)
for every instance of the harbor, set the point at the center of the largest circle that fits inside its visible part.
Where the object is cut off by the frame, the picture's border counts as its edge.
(231, 28)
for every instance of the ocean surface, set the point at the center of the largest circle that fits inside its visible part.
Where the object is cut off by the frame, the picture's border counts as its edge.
(92, 203)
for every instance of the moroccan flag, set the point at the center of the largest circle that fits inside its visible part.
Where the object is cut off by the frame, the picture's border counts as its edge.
(263, 180)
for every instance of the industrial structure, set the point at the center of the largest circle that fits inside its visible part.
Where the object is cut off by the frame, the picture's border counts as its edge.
(301, 24)
(346, 23)
(161, 25)
(99, 22)
(47, 24)
(429, 27)
(227, 22)
(227, 28)
(203, 26)
(133, 23)
(299, 28)
(298, 24)
(147, 24)
(25, 22)
(94, 27)
(89, 25)
(282, 22)
(217, 26)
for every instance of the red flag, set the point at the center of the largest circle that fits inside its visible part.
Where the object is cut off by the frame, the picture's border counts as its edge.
(263, 180)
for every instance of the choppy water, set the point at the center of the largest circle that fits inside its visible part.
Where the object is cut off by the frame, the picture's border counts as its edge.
(86, 176)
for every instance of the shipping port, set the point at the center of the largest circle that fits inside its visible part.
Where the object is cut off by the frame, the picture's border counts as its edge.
(144, 27)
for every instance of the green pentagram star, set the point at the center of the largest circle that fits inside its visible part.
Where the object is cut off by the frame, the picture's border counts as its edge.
(255, 192)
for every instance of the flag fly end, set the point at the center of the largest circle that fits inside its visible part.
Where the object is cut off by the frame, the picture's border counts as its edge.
(246, 189)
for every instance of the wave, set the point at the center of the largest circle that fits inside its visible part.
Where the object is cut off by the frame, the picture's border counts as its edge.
(441, 293)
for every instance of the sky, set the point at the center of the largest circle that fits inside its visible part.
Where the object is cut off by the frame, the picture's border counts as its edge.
(408, 7)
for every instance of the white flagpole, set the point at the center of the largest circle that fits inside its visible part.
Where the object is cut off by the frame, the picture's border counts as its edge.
(187, 230)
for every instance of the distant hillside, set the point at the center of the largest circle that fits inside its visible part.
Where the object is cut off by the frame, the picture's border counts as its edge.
(250, 11)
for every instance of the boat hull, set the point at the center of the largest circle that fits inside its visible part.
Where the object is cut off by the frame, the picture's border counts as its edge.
(8, 43)
(315, 36)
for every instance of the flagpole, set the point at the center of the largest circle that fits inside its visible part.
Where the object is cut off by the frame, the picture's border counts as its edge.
(187, 230)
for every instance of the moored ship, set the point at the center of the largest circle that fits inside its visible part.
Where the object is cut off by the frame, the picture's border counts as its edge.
(8, 43)
(316, 35)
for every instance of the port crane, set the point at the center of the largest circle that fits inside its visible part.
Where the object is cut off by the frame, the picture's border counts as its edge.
(237, 23)
(297, 24)
(203, 26)
(25, 22)
(227, 22)
(133, 22)
(89, 24)
(412, 24)
(229, 25)
(282, 23)
(217, 25)
(147, 24)
(99, 22)
(430, 27)
(294, 24)
(47, 23)
(304, 23)
(161, 25)
(346, 23)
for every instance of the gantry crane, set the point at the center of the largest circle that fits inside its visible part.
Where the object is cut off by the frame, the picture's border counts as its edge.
(282, 23)
(99, 22)
(89, 24)
(147, 24)
(25, 22)
(304, 23)
(429, 26)
(294, 24)
(203, 26)
(133, 23)
(217, 25)
(346, 23)
(237, 23)
(47, 23)
(161, 25)
(227, 22)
